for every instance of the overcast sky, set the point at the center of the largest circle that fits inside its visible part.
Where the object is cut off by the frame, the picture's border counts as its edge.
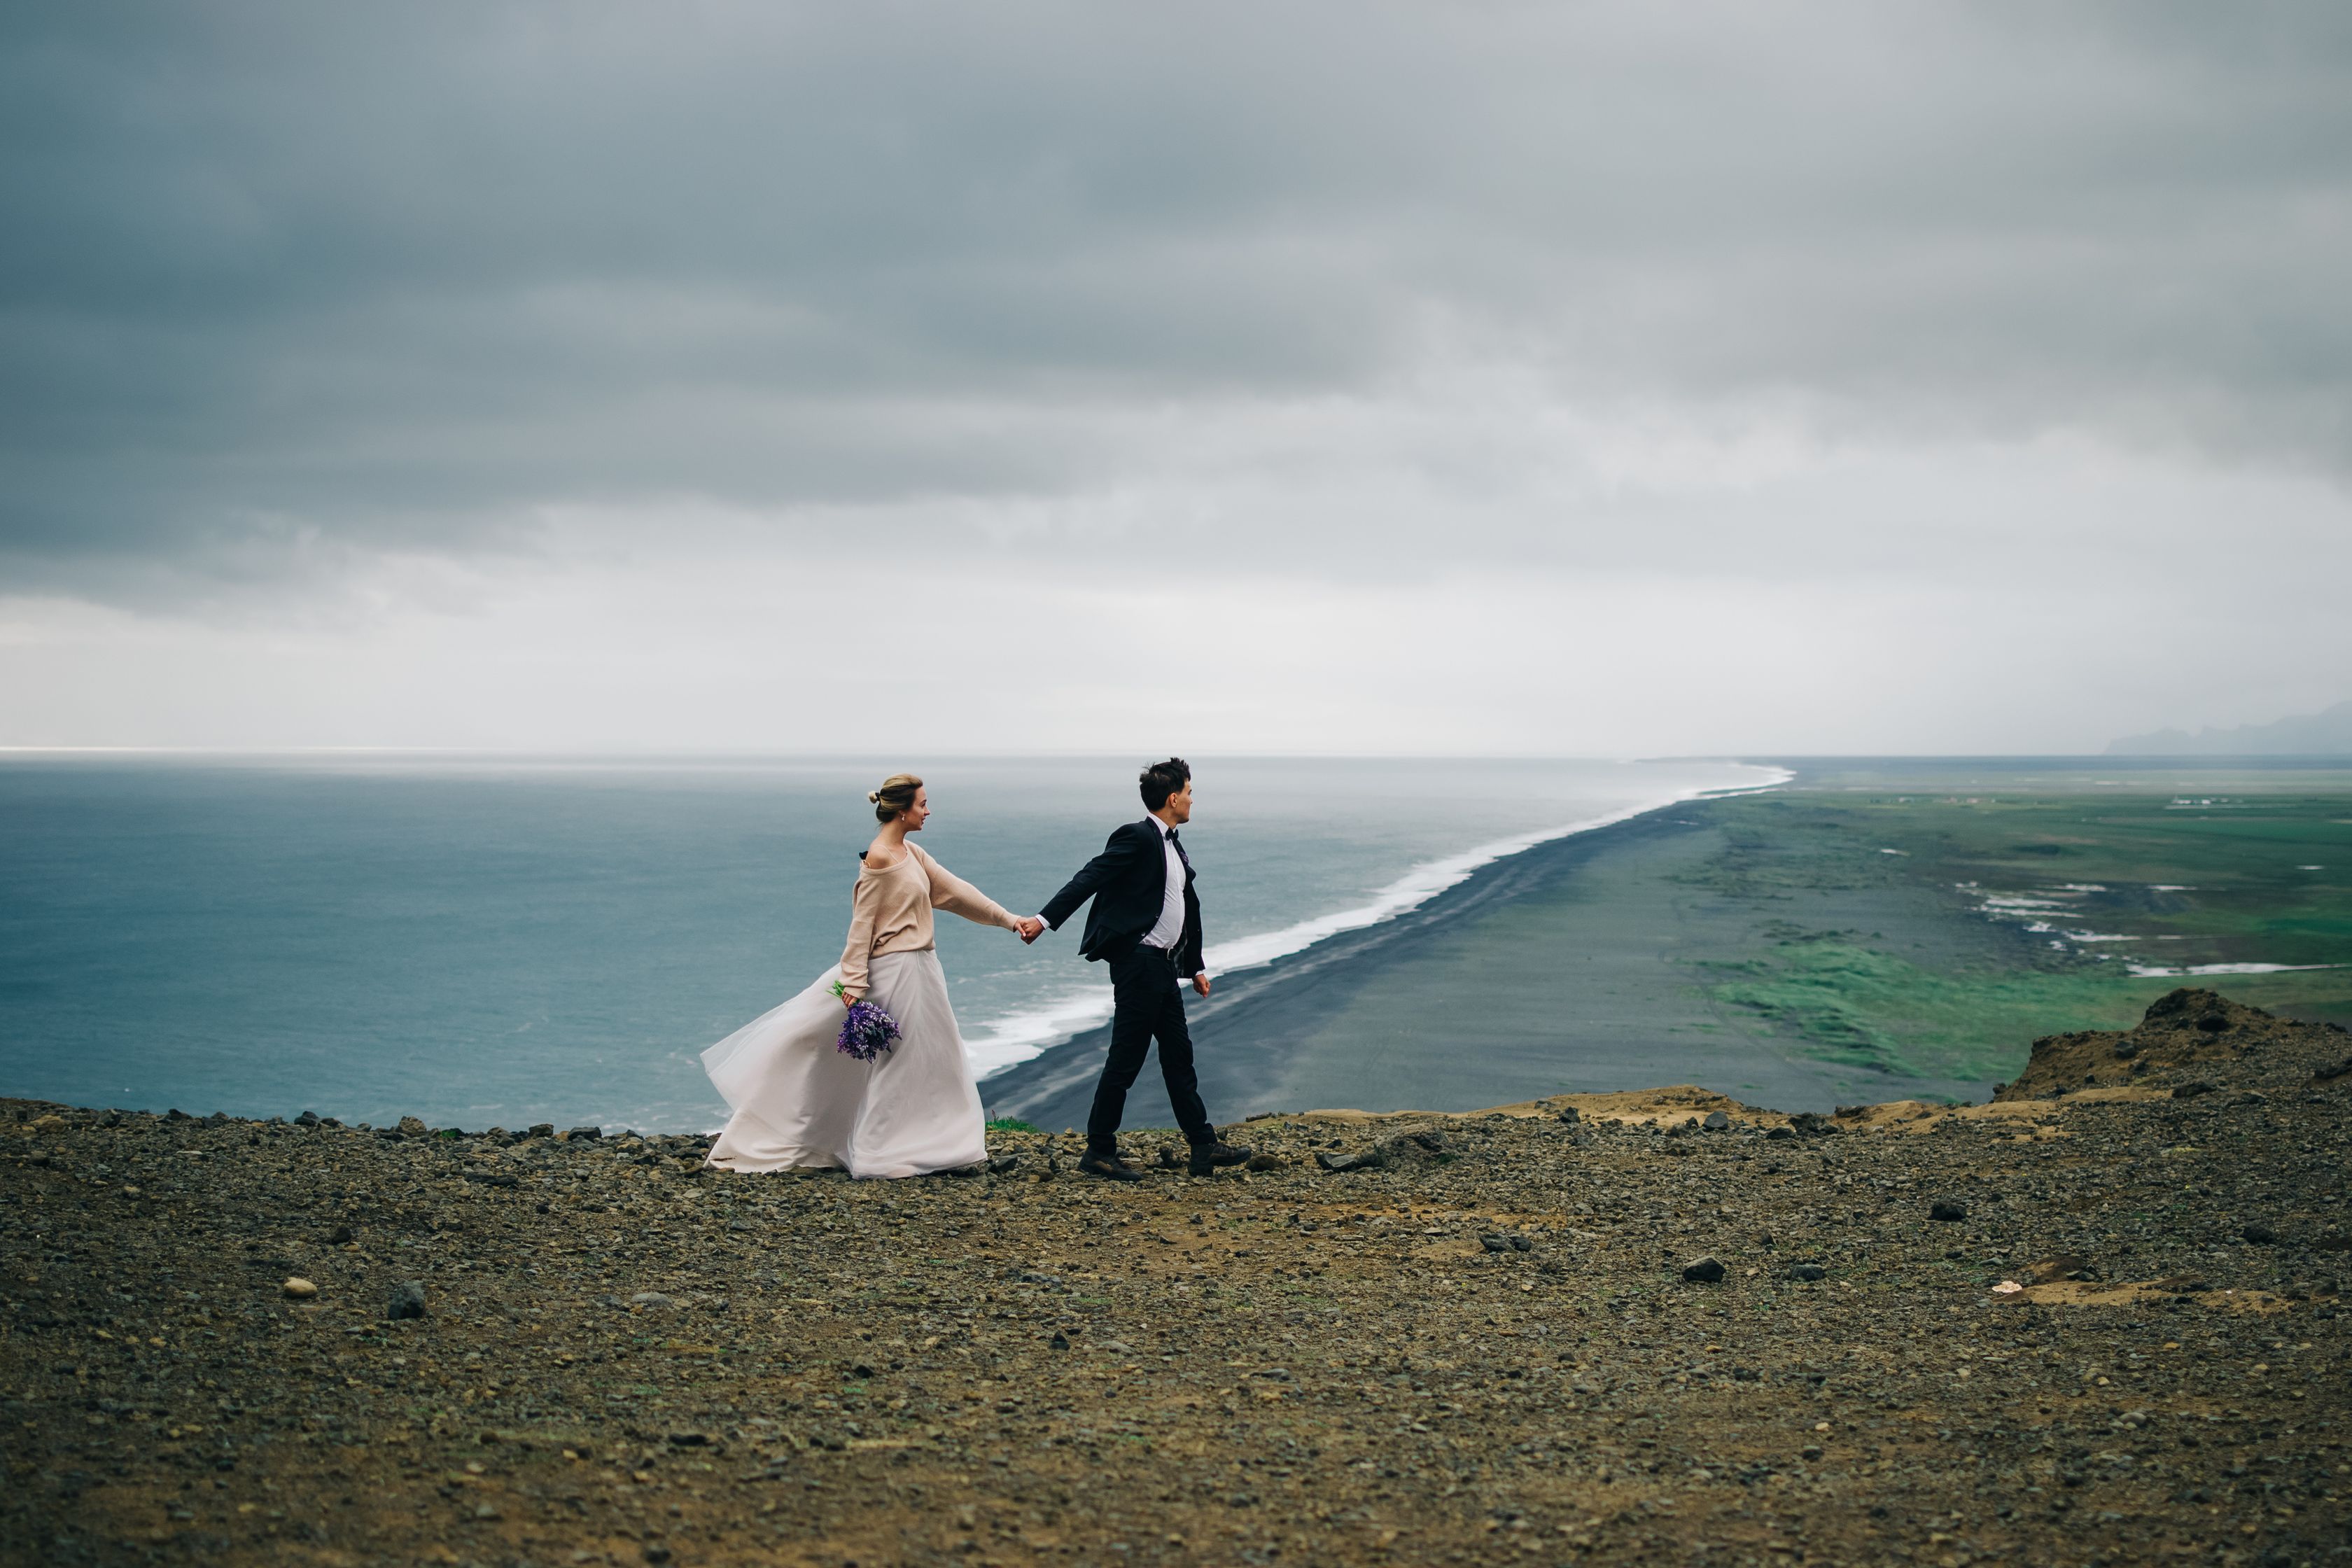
(1596, 379)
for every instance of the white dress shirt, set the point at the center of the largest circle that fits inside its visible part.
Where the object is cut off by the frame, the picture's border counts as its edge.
(1169, 929)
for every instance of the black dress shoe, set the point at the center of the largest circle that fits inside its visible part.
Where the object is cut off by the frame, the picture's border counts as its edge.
(1207, 1157)
(1108, 1165)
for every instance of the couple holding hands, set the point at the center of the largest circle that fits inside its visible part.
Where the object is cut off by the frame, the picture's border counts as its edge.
(799, 1103)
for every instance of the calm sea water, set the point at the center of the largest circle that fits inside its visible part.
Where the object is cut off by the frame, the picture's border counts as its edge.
(486, 941)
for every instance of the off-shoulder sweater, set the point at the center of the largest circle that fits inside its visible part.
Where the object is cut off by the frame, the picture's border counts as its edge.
(890, 912)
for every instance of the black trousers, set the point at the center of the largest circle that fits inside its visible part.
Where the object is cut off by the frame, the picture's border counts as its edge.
(1148, 1007)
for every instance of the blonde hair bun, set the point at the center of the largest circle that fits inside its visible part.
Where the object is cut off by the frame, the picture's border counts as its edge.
(895, 796)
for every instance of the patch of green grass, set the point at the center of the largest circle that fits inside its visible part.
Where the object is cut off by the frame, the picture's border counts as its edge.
(1861, 1007)
(1877, 1010)
(1012, 1124)
(2228, 882)
(2262, 878)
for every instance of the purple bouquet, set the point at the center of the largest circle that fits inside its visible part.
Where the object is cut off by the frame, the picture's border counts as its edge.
(867, 1032)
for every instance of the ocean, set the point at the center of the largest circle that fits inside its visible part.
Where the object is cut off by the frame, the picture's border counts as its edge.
(504, 941)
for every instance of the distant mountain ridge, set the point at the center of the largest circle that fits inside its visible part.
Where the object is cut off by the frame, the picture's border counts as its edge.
(2325, 734)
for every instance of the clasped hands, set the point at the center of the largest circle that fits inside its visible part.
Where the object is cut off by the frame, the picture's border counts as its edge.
(1031, 928)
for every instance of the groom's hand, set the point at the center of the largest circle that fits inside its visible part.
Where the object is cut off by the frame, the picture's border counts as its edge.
(1201, 982)
(1031, 928)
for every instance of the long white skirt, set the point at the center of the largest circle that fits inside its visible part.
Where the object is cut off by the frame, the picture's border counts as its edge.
(800, 1103)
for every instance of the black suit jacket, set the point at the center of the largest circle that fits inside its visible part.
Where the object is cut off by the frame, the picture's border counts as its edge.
(1128, 883)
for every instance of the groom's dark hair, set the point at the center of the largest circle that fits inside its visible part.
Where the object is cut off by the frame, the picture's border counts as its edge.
(1162, 780)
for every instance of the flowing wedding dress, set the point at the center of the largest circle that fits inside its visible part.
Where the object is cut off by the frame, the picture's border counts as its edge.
(800, 1103)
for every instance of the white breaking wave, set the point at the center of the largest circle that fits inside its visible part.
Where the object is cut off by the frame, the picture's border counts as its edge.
(1021, 1036)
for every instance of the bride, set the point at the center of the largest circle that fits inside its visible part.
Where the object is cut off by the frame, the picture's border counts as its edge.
(799, 1102)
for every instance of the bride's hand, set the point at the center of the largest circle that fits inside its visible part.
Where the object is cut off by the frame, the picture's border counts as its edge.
(1029, 926)
(848, 1001)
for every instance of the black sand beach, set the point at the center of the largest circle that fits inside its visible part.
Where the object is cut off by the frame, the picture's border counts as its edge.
(1566, 967)
(1824, 943)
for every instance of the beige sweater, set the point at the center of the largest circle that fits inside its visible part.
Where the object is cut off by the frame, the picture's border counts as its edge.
(890, 912)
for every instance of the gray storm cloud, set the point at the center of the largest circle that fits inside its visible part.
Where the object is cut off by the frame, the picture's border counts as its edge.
(1356, 293)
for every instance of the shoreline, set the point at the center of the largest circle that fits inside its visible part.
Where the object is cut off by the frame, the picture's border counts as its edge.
(1247, 1035)
(481, 949)
(1049, 1025)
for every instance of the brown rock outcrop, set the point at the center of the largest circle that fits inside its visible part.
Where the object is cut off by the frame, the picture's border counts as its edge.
(2189, 1041)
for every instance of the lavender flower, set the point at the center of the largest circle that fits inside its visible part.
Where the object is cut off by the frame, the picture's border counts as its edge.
(867, 1032)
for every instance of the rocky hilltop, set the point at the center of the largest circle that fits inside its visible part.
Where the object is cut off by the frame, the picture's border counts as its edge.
(2101, 1325)
(2189, 1043)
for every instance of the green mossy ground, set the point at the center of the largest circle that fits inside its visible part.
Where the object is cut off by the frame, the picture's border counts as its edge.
(2222, 875)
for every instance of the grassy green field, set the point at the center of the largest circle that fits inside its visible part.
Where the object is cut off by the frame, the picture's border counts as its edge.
(2014, 912)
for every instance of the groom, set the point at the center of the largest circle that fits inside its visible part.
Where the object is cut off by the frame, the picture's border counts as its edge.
(1146, 924)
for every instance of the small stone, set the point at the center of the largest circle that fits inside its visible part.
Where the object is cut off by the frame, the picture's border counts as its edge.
(651, 1298)
(656, 1552)
(298, 1288)
(1945, 1209)
(1496, 1243)
(689, 1440)
(1523, 1244)
(584, 1133)
(1703, 1271)
(1782, 1132)
(1717, 1122)
(2258, 1234)
(307, 1119)
(412, 1127)
(1263, 1161)
(407, 1300)
(340, 1235)
(542, 1129)
(1807, 1271)
(1060, 1342)
(2190, 1091)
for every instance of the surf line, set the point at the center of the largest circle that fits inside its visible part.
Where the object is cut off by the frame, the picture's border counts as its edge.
(1018, 1037)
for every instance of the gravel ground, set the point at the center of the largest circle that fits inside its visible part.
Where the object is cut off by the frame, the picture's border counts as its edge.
(1496, 1339)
